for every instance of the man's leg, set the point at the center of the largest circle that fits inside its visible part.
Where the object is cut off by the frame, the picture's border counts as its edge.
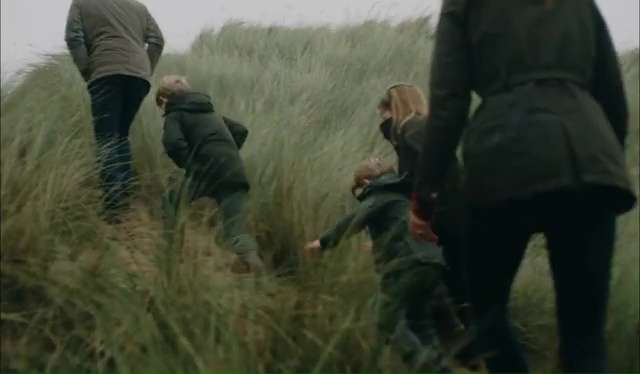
(106, 106)
(134, 91)
(581, 246)
(232, 207)
(498, 239)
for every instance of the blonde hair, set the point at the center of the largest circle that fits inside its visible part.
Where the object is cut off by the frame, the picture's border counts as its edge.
(405, 102)
(171, 85)
(368, 170)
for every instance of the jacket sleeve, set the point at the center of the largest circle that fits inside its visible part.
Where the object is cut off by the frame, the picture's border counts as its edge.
(154, 39)
(174, 142)
(75, 40)
(237, 130)
(608, 87)
(450, 100)
(348, 225)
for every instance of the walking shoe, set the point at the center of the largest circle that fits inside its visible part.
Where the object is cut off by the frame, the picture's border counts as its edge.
(247, 263)
(428, 361)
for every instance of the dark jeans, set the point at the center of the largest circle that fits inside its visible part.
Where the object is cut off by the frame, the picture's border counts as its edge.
(452, 240)
(115, 101)
(231, 211)
(580, 233)
(404, 315)
(452, 235)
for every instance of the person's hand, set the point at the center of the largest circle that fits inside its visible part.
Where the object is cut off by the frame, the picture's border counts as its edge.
(368, 248)
(421, 230)
(313, 245)
(312, 248)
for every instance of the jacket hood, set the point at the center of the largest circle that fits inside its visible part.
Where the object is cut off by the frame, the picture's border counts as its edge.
(191, 102)
(387, 183)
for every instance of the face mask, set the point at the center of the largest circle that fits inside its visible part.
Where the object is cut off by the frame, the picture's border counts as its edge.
(386, 127)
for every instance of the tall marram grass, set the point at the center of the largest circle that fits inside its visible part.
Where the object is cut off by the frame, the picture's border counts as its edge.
(81, 296)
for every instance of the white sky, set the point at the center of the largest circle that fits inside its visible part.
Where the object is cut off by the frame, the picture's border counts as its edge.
(30, 28)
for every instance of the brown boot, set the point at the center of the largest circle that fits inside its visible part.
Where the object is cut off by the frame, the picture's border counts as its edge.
(247, 263)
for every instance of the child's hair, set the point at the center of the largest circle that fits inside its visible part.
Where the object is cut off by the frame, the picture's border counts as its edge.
(368, 170)
(171, 85)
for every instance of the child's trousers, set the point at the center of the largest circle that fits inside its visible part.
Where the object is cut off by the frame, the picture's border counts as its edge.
(404, 316)
(233, 216)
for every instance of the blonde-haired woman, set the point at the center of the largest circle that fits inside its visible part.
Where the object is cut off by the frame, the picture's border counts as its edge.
(403, 109)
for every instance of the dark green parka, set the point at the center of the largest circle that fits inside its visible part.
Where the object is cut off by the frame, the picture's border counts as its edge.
(205, 144)
(384, 211)
(553, 113)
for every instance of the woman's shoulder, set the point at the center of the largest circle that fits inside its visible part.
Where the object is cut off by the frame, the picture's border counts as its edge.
(413, 125)
(413, 130)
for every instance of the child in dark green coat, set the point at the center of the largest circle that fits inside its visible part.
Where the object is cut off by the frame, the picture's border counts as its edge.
(206, 145)
(411, 271)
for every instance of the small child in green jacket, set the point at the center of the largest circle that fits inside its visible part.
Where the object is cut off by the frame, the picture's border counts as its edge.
(206, 145)
(411, 271)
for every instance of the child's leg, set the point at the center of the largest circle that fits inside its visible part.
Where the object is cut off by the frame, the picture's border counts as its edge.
(421, 314)
(423, 281)
(232, 207)
(444, 314)
(400, 288)
(173, 200)
(177, 196)
(392, 325)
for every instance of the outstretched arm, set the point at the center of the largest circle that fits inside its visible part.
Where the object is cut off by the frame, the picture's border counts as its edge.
(174, 142)
(237, 130)
(350, 224)
(74, 37)
(450, 100)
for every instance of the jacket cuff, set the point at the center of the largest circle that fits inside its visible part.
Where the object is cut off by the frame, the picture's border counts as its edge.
(325, 241)
(423, 208)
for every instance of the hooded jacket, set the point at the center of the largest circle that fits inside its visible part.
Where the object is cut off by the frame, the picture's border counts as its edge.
(200, 141)
(384, 211)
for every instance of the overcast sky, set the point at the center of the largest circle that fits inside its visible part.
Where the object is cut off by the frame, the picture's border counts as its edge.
(32, 27)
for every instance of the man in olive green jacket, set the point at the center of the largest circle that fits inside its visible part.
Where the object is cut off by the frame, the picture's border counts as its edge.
(116, 45)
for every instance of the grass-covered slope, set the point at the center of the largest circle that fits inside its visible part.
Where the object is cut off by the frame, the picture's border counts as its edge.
(81, 296)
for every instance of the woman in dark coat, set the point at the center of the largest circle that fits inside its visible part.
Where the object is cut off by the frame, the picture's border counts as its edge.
(544, 153)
